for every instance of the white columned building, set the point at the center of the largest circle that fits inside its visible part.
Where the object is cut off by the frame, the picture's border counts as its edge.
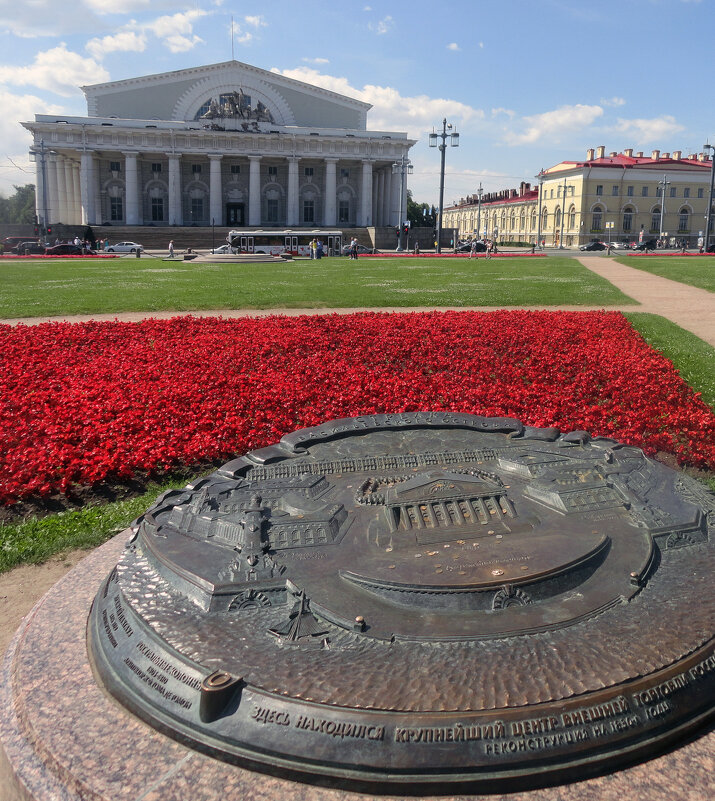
(225, 143)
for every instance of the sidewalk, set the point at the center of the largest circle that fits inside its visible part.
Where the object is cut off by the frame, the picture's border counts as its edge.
(687, 306)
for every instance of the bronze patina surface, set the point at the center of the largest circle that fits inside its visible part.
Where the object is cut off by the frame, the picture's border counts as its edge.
(423, 598)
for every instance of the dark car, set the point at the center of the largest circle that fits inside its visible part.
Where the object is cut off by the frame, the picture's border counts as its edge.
(646, 244)
(68, 250)
(466, 247)
(593, 246)
(11, 242)
(361, 249)
(28, 248)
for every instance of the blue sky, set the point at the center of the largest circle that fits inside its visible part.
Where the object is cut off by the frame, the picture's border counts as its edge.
(526, 83)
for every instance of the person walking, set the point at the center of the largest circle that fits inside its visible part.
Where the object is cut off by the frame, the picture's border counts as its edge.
(171, 249)
(313, 248)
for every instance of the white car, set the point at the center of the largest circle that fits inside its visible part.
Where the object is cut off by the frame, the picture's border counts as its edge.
(223, 249)
(124, 247)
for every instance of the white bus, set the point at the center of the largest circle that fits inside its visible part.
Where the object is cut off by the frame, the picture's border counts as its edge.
(276, 241)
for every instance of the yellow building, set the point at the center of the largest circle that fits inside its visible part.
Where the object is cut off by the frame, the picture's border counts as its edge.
(621, 197)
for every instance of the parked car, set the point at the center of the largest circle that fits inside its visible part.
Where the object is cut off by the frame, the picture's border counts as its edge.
(466, 247)
(593, 246)
(646, 244)
(223, 249)
(67, 249)
(11, 242)
(619, 246)
(361, 249)
(30, 247)
(124, 247)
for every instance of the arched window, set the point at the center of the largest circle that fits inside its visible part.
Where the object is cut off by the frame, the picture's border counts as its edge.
(655, 220)
(503, 220)
(627, 220)
(684, 220)
(557, 217)
(597, 224)
(572, 217)
(544, 219)
(522, 219)
(512, 218)
(533, 219)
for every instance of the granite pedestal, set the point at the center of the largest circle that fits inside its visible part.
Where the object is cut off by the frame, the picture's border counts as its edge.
(62, 738)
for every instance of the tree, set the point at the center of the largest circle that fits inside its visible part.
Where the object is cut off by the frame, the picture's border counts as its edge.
(420, 214)
(20, 207)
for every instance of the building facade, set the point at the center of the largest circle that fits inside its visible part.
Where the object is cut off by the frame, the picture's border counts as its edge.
(621, 197)
(226, 144)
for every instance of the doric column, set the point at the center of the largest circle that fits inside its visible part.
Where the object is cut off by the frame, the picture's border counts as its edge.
(77, 193)
(292, 217)
(52, 193)
(216, 190)
(62, 215)
(395, 200)
(86, 188)
(42, 198)
(379, 211)
(131, 189)
(254, 191)
(69, 193)
(330, 216)
(387, 197)
(366, 195)
(374, 180)
(175, 215)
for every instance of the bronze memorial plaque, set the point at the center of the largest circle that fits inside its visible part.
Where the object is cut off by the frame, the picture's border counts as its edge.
(420, 599)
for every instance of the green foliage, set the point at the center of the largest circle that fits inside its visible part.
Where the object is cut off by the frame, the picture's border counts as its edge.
(420, 215)
(36, 539)
(20, 207)
(90, 286)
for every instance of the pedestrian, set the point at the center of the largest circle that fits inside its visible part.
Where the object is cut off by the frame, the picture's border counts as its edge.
(171, 249)
(488, 252)
(319, 249)
(313, 248)
(473, 249)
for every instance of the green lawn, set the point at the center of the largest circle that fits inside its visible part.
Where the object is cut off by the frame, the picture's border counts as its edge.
(39, 288)
(694, 270)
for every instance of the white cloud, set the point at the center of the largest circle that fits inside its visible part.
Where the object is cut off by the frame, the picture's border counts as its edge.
(255, 22)
(391, 111)
(613, 101)
(652, 130)
(123, 42)
(176, 30)
(315, 60)
(551, 124)
(15, 166)
(507, 112)
(453, 46)
(383, 26)
(57, 70)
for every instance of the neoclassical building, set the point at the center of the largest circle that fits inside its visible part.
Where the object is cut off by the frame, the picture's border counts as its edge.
(226, 144)
(618, 196)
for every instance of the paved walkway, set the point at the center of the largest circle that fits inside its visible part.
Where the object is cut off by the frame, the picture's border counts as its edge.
(689, 307)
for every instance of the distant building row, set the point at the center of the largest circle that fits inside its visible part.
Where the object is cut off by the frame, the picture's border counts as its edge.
(618, 196)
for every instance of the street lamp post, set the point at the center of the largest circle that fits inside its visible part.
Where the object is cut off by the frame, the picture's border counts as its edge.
(402, 167)
(664, 183)
(540, 176)
(563, 215)
(34, 152)
(454, 142)
(708, 216)
(479, 210)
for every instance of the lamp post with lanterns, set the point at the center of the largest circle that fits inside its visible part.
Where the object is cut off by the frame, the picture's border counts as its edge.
(40, 151)
(433, 142)
(708, 216)
(402, 167)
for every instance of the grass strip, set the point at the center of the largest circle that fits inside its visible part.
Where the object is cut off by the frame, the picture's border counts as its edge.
(36, 539)
(42, 288)
(698, 271)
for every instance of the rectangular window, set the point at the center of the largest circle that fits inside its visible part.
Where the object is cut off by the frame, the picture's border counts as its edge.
(629, 191)
(273, 170)
(156, 167)
(599, 189)
(157, 209)
(197, 209)
(686, 191)
(644, 191)
(701, 193)
(344, 211)
(344, 172)
(195, 168)
(308, 211)
(272, 210)
(115, 166)
(673, 192)
(308, 172)
(235, 169)
(116, 209)
(614, 190)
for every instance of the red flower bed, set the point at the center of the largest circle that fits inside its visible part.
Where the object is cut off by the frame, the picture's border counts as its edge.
(87, 402)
